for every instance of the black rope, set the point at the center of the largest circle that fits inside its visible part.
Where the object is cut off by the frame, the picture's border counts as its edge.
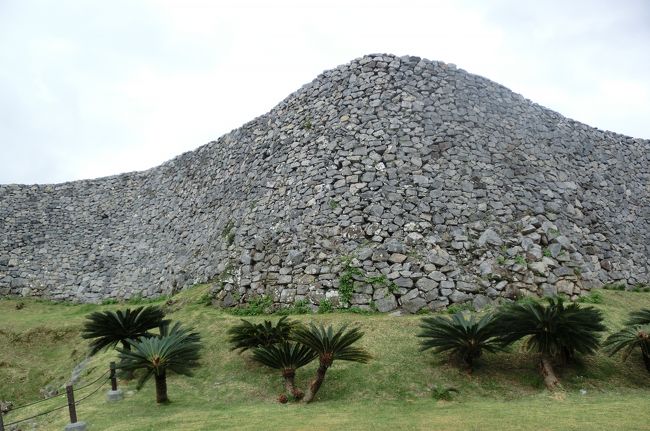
(63, 406)
(93, 382)
(36, 402)
(59, 395)
(92, 393)
(35, 416)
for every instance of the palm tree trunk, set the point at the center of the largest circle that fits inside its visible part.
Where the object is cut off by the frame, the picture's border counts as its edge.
(646, 361)
(161, 387)
(127, 374)
(546, 369)
(290, 383)
(314, 386)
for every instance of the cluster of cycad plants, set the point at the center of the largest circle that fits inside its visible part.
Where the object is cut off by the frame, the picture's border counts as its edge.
(289, 345)
(557, 332)
(173, 349)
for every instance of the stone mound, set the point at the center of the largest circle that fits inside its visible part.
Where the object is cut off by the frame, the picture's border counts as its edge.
(389, 182)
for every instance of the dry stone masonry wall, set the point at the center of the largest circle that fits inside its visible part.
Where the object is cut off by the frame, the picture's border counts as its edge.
(390, 182)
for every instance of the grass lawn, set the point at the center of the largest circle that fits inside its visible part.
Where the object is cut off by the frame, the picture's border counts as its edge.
(41, 344)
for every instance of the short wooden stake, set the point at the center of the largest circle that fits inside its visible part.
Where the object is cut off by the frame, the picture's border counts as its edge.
(114, 394)
(71, 405)
(113, 378)
(74, 425)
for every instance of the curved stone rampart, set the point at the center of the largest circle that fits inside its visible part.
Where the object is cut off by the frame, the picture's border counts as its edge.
(387, 182)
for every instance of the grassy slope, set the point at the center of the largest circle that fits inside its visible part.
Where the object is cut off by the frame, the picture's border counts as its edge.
(393, 391)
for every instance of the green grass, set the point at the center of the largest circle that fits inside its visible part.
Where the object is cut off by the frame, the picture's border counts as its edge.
(395, 390)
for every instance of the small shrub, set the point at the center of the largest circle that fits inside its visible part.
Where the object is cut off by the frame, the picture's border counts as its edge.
(641, 287)
(325, 306)
(228, 232)
(205, 299)
(441, 393)
(346, 280)
(382, 280)
(592, 298)
(459, 308)
(302, 307)
(614, 286)
(298, 307)
(527, 299)
(255, 307)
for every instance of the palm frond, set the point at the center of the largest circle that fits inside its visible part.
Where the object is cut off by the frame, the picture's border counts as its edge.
(284, 355)
(640, 317)
(553, 329)
(108, 328)
(332, 345)
(178, 351)
(179, 331)
(247, 335)
(627, 339)
(464, 335)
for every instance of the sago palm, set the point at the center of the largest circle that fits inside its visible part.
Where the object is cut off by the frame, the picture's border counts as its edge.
(635, 334)
(288, 357)
(329, 345)
(108, 328)
(464, 335)
(641, 317)
(177, 351)
(555, 331)
(628, 339)
(247, 335)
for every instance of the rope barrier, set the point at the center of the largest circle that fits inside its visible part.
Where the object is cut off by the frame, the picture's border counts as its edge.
(35, 416)
(63, 406)
(93, 382)
(59, 395)
(13, 409)
(92, 393)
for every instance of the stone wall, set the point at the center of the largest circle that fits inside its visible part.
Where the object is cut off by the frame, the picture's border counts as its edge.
(416, 183)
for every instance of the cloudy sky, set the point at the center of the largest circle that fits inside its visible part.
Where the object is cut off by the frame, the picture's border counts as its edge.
(96, 88)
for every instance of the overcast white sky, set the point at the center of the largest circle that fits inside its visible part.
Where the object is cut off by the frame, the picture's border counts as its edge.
(96, 88)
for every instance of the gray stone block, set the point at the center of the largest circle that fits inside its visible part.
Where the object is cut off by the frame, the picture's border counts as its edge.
(77, 426)
(386, 304)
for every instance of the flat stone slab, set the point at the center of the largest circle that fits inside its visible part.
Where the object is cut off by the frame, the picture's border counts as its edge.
(115, 395)
(77, 426)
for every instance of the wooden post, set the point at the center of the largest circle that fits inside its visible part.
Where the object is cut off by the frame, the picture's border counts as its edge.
(113, 378)
(114, 394)
(71, 406)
